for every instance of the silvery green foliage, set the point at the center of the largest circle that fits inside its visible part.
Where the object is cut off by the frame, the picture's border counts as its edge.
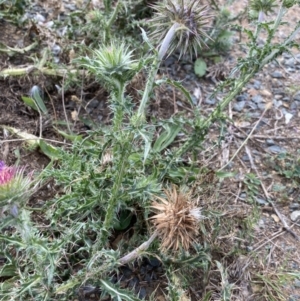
(112, 64)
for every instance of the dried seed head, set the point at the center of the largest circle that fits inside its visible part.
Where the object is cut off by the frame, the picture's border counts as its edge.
(176, 220)
(191, 18)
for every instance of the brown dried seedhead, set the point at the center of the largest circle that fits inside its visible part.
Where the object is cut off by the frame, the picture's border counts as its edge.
(176, 221)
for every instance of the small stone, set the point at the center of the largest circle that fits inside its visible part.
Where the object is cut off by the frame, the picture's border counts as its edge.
(243, 195)
(252, 105)
(188, 67)
(257, 99)
(297, 283)
(270, 142)
(295, 215)
(210, 101)
(56, 50)
(261, 224)
(294, 298)
(239, 106)
(260, 201)
(242, 97)
(276, 149)
(261, 106)
(39, 18)
(169, 61)
(294, 206)
(275, 218)
(290, 70)
(93, 104)
(290, 62)
(257, 84)
(245, 158)
(194, 100)
(277, 74)
(277, 103)
(294, 105)
(70, 7)
(297, 97)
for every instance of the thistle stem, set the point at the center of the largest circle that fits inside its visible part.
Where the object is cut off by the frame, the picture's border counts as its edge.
(167, 41)
(155, 66)
(135, 253)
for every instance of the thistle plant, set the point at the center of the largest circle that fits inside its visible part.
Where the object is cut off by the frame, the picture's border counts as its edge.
(114, 66)
(177, 23)
(15, 187)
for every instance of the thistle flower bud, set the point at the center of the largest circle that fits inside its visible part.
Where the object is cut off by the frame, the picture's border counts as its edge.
(112, 63)
(176, 220)
(186, 21)
(14, 187)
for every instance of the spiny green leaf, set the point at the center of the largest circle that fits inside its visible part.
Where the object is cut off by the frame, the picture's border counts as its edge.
(166, 137)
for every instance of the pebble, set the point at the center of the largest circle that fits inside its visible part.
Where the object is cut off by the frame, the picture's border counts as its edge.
(261, 201)
(276, 149)
(210, 101)
(270, 142)
(261, 224)
(93, 104)
(242, 97)
(56, 50)
(252, 105)
(290, 62)
(257, 99)
(243, 195)
(261, 106)
(169, 61)
(39, 18)
(257, 84)
(239, 106)
(294, 206)
(294, 298)
(245, 158)
(294, 105)
(297, 283)
(295, 215)
(277, 74)
(297, 97)
(188, 67)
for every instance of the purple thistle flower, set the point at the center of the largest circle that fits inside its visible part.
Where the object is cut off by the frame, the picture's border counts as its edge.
(15, 187)
(2, 165)
(6, 173)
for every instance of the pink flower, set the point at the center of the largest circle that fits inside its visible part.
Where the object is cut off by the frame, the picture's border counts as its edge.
(15, 187)
(6, 173)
